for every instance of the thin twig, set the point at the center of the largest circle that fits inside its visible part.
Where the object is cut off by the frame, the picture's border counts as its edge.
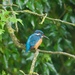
(22, 72)
(1, 5)
(43, 19)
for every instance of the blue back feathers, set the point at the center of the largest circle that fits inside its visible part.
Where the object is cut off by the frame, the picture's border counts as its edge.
(33, 39)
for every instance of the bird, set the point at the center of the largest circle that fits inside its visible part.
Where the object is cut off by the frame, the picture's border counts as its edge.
(35, 40)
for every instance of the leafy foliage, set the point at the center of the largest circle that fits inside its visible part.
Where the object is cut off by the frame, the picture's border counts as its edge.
(62, 37)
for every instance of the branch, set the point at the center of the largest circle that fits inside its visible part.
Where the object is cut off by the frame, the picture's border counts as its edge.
(43, 19)
(47, 52)
(22, 72)
(1, 5)
(13, 15)
(61, 53)
(52, 19)
(13, 37)
(33, 62)
(11, 32)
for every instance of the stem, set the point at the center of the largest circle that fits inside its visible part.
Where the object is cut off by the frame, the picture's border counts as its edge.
(34, 61)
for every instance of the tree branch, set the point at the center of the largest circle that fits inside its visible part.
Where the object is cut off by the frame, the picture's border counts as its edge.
(1, 5)
(33, 62)
(11, 30)
(13, 37)
(43, 19)
(61, 53)
(16, 26)
(40, 15)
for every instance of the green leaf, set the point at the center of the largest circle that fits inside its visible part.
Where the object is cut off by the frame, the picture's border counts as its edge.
(69, 62)
(15, 70)
(30, 5)
(1, 50)
(13, 19)
(2, 24)
(52, 68)
(30, 57)
(72, 19)
(1, 31)
(32, 22)
(0, 37)
(68, 44)
(44, 0)
(46, 70)
(5, 61)
(66, 16)
(46, 57)
(4, 15)
(3, 72)
(20, 3)
(5, 12)
(59, 40)
(3, 18)
(39, 7)
(60, 3)
(72, 1)
(19, 20)
(52, 34)
(58, 47)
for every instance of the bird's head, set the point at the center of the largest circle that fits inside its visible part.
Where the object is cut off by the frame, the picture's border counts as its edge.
(40, 33)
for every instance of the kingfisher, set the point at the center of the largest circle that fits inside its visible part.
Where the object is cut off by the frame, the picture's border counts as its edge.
(35, 40)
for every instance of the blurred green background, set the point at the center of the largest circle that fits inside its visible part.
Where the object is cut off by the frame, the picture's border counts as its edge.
(62, 36)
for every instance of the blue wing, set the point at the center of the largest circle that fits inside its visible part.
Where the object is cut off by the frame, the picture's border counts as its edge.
(32, 40)
(28, 44)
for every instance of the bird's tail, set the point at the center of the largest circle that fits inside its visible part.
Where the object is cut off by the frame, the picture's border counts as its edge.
(27, 48)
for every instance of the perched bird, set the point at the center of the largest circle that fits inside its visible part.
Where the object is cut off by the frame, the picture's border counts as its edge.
(35, 40)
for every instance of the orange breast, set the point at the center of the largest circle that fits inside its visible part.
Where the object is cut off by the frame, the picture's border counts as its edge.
(38, 44)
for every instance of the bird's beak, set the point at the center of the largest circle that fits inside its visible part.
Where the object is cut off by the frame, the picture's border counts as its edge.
(45, 37)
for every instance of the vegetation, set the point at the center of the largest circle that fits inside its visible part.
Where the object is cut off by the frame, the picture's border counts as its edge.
(20, 18)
